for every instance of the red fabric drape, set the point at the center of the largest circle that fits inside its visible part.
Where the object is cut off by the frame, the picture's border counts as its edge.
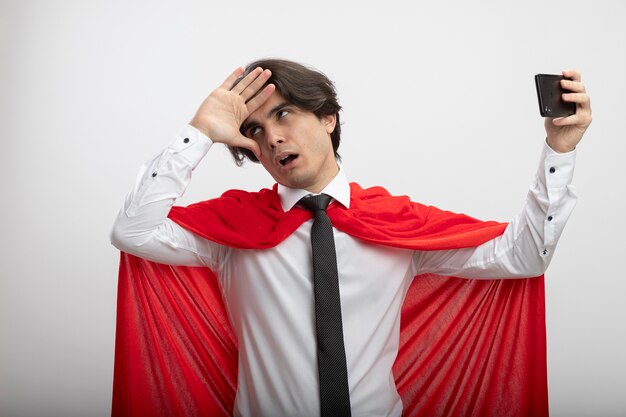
(467, 348)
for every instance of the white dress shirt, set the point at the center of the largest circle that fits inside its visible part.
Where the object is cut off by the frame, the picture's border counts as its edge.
(269, 293)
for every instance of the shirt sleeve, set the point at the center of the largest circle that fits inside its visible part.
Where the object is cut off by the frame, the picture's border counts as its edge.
(142, 227)
(527, 244)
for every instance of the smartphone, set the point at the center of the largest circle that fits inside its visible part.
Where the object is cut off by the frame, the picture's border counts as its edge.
(549, 92)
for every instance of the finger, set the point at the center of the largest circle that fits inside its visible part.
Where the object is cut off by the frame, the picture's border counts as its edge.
(580, 98)
(249, 144)
(581, 120)
(260, 98)
(228, 82)
(247, 80)
(571, 74)
(574, 86)
(256, 85)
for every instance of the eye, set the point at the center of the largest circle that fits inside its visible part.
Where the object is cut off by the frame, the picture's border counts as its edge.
(282, 113)
(253, 131)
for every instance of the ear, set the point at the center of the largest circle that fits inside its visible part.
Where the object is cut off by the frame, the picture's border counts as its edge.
(329, 121)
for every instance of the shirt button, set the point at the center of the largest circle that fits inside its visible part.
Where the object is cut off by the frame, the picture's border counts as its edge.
(186, 140)
(545, 252)
(549, 218)
(154, 174)
(552, 170)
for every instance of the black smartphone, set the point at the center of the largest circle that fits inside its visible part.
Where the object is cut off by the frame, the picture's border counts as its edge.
(549, 92)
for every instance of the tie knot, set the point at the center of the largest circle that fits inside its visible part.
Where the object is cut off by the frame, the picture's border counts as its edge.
(316, 202)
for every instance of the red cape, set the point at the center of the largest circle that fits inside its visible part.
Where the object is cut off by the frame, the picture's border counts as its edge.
(467, 347)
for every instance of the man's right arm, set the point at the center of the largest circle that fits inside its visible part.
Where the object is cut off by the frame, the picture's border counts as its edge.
(142, 227)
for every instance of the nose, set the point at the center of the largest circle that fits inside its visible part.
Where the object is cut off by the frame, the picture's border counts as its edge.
(274, 137)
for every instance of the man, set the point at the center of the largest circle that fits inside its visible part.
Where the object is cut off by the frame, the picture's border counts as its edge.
(286, 117)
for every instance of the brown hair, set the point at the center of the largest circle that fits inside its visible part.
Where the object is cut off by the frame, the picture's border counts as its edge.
(303, 87)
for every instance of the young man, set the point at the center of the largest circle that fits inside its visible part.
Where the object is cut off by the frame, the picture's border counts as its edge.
(286, 117)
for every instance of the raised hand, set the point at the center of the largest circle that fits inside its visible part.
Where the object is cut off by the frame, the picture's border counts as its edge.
(221, 114)
(564, 133)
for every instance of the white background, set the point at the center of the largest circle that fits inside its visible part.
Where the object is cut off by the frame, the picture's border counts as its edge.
(439, 103)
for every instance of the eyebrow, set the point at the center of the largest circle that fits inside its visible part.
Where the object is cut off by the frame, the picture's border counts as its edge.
(270, 114)
(276, 109)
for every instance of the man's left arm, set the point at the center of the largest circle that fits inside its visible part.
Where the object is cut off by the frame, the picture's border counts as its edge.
(527, 245)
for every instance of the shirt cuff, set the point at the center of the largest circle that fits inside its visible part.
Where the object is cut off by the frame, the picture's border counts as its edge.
(557, 169)
(191, 145)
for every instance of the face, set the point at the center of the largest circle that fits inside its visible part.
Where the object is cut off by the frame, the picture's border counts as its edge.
(296, 148)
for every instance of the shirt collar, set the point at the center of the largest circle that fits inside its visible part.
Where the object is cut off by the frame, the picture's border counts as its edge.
(338, 189)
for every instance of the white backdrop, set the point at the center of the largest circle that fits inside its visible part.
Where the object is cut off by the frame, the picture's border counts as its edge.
(439, 103)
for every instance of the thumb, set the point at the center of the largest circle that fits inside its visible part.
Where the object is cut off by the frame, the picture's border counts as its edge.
(251, 145)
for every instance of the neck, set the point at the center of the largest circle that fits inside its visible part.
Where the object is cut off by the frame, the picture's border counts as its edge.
(324, 180)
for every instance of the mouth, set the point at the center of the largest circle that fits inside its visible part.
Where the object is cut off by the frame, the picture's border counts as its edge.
(286, 159)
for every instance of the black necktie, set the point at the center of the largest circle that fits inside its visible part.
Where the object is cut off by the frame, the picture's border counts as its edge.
(331, 354)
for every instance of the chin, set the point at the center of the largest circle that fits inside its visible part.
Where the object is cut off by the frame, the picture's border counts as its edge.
(296, 183)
